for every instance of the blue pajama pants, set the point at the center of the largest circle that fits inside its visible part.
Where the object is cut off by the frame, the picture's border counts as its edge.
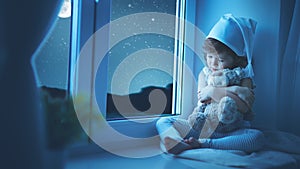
(243, 139)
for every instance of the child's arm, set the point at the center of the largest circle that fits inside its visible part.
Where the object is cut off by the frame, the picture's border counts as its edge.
(242, 95)
(235, 92)
(246, 82)
(201, 82)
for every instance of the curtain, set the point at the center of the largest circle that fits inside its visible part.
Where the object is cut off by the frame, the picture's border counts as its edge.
(288, 107)
(23, 26)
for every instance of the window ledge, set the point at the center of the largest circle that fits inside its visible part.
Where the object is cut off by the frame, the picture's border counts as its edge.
(132, 136)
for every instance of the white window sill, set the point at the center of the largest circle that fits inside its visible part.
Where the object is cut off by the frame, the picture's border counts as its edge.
(140, 137)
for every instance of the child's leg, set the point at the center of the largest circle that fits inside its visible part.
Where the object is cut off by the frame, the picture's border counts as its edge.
(172, 127)
(247, 140)
(172, 132)
(174, 146)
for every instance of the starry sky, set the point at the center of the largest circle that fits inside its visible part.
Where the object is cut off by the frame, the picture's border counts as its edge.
(50, 63)
(149, 56)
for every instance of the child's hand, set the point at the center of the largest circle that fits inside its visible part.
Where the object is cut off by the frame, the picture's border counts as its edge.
(244, 93)
(205, 94)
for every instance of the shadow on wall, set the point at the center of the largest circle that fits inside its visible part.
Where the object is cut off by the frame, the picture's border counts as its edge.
(141, 105)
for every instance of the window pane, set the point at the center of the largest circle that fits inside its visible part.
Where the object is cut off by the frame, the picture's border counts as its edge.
(141, 57)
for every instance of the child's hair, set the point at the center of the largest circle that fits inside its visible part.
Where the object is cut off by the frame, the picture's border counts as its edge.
(212, 45)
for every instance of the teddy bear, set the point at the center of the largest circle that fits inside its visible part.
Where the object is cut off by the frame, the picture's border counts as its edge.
(224, 113)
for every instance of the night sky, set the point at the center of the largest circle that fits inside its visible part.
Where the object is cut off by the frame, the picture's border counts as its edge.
(50, 62)
(156, 50)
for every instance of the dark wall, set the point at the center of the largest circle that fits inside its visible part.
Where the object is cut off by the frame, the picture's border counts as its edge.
(23, 26)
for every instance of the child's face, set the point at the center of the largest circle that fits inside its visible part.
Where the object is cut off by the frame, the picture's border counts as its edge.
(217, 61)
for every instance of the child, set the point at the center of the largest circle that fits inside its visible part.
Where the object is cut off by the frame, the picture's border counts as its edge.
(224, 114)
(228, 49)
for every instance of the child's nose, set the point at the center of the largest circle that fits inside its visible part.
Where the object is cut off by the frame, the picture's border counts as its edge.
(215, 62)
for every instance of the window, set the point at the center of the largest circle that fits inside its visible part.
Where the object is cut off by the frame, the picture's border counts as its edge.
(129, 53)
(108, 56)
(142, 62)
(89, 53)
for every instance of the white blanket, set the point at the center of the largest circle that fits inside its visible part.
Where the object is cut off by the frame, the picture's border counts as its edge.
(282, 151)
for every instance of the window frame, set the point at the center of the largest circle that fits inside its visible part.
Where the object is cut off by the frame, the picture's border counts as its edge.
(87, 9)
(77, 41)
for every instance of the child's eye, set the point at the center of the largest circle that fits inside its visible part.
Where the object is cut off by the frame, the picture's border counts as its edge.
(209, 56)
(221, 60)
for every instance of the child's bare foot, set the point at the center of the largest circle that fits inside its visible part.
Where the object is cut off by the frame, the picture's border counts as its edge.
(194, 143)
(174, 146)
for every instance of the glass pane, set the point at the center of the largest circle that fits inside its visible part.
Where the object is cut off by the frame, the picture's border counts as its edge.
(138, 60)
